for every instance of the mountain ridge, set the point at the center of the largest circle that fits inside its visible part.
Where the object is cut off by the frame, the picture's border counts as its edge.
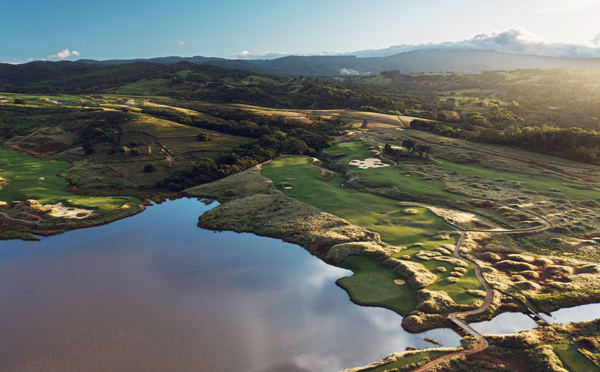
(416, 61)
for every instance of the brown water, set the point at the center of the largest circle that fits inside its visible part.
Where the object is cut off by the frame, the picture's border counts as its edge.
(156, 293)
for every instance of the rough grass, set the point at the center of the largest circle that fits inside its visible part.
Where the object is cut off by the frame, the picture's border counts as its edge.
(373, 284)
(572, 359)
(374, 213)
(532, 182)
(414, 184)
(23, 175)
(405, 361)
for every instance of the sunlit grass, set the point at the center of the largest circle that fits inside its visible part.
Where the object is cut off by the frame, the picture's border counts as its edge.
(30, 178)
(377, 214)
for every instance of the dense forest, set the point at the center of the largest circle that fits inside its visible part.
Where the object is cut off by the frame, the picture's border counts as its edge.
(570, 143)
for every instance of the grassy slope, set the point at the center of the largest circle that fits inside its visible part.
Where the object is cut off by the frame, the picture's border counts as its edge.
(572, 360)
(415, 358)
(391, 175)
(373, 284)
(532, 182)
(23, 175)
(374, 213)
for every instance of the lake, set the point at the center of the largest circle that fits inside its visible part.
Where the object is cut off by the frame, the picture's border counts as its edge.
(154, 292)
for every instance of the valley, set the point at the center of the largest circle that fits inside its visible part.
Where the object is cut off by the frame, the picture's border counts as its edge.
(443, 231)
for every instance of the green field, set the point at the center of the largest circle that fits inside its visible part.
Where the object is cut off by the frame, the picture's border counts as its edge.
(351, 150)
(413, 184)
(532, 182)
(373, 284)
(30, 178)
(572, 359)
(372, 212)
(375, 213)
(415, 358)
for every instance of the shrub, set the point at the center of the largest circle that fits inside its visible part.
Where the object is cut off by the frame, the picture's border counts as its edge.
(148, 168)
(203, 137)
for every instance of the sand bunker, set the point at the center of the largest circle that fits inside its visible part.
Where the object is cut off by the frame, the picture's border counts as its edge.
(62, 211)
(368, 163)
(399, 281)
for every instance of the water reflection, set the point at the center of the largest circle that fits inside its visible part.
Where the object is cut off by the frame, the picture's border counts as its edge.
(583, 313)
(504, 324)
(155, 293)
(507, 323)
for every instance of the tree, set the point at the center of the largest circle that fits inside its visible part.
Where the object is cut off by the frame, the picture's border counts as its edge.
(409, 144)
(202, 137)
(148, 168)
(422, 149)
(88, 148)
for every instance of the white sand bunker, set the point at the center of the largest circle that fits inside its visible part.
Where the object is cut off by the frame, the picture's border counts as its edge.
(399, 281)
(368, 163)
(62, 211)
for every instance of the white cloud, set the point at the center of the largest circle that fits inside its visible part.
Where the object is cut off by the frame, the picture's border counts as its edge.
(512, 40)
(181, 42)
(563, 6)
(265, 55)
(64, 54)
(29, 59)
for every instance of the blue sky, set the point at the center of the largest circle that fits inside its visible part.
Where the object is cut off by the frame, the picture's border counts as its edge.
(43, 29)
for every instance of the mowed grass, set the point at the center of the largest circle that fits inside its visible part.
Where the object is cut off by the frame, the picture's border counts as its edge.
(532, 182)
(413, 184)
(373, 284)
(30, 178)
(572, 359)
(352, 150)
(405, 361)
(375, 213)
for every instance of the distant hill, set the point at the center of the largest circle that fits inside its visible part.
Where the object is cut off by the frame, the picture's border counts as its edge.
(186, 80)
(460, 61)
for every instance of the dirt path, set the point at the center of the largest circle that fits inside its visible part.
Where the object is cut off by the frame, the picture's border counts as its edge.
(27, 212)
(482, 343)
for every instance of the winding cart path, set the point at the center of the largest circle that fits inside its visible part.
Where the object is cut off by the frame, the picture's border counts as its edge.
(482, 343)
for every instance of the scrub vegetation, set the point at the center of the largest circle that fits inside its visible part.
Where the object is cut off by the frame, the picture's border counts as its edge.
(287, 157)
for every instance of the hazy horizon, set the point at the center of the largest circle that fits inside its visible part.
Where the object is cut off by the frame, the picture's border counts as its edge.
(69, 30)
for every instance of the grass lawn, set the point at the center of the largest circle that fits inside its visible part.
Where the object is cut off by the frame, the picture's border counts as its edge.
(415, 185)
(30, 178)
(352, 150)
(532, 182)
(375, 213)
(572, 360)
(373, 284)
(415, 358)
